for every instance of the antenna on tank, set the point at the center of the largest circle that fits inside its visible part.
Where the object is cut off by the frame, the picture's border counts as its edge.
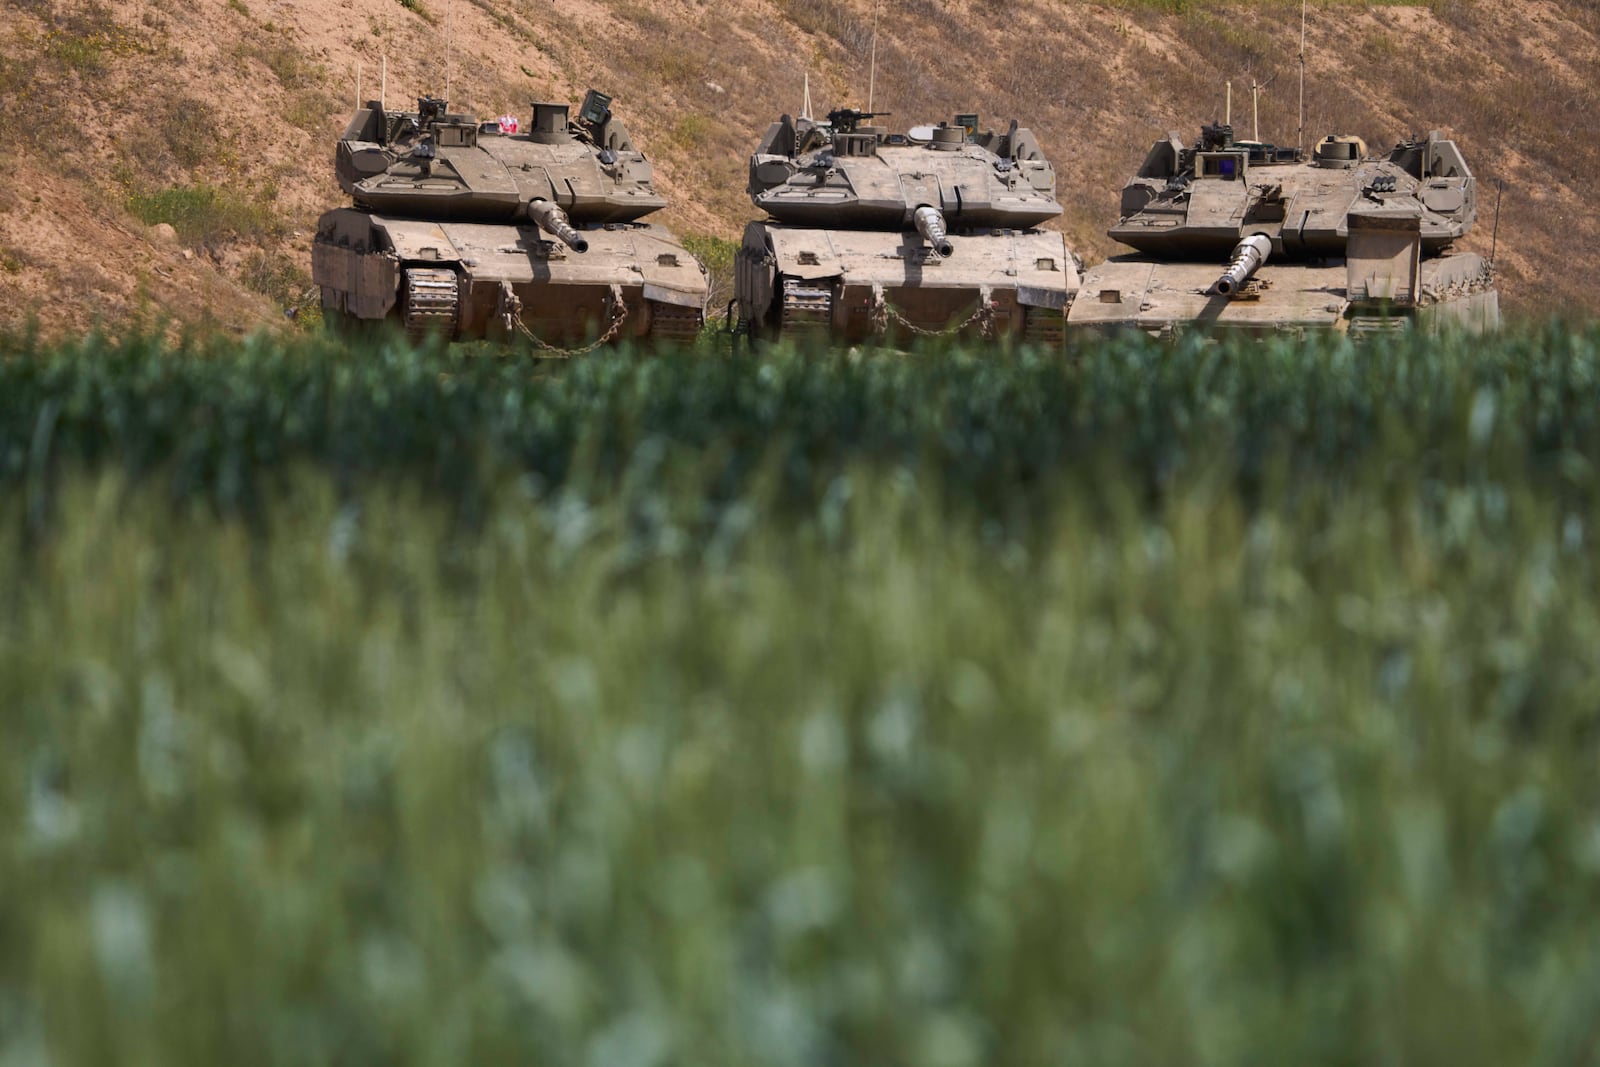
(358, 83)
(449, 20)
(1255, 103)
(1494, 242)
(805, 104)
(1300, 134)
(1227, 114)
(872, 73)
(383, 81)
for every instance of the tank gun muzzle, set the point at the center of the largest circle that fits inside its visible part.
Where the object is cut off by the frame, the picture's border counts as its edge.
(552, 220)
(1248, 256)
(931, 225)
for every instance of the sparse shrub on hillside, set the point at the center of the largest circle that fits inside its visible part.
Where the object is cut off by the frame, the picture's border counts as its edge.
(418, 8)
(17, 87)
(188, 129)
(716, 255)
(83, 37)
(287, 63)
(643, 16)
(42, 67)
(690, 131)
(278, 277)
(309, 110)
(205, 213)
(283, 280)
(505, 19)
(830, 18)
(1235, 40)
(1183, 7)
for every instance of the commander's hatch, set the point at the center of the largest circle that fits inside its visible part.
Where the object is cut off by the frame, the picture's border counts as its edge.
(1383, 258)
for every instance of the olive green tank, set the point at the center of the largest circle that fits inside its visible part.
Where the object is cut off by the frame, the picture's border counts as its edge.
(460, 228)
(931, 232)
(1241, 235)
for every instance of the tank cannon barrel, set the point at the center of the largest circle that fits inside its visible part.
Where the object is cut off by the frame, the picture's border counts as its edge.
(930, 223)
(1248, 256)
(552, 220)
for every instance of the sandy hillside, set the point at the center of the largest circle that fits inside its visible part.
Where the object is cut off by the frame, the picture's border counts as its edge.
(219, 115)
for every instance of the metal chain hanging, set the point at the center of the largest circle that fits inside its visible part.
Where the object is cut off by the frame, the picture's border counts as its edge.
(618, 317)
(883, 311)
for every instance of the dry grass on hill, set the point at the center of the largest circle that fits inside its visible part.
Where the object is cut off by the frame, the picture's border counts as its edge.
(219, 114)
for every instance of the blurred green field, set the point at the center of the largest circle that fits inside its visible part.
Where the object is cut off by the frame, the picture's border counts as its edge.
(1157, 705)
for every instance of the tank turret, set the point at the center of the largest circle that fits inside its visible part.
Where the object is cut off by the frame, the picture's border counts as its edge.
(434, 164)
(845, 173)
(449, 218)
(1336, 238)
(932, 230)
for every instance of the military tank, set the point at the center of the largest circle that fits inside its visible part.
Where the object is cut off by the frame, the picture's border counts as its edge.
(1245, 235)
(876, 234)
(461, 228)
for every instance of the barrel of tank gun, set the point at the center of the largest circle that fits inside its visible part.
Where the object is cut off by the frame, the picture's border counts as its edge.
(930, 223)
(1248, 256)
(552, 220)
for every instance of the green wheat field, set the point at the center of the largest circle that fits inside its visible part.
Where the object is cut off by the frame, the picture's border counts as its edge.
(1156, 705)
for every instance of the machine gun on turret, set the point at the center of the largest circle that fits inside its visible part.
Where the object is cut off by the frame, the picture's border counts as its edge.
(431, 109)
(1217, 137)
(847, 119)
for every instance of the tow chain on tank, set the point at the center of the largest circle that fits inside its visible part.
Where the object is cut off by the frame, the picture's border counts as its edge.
(805, 310)
(883, 311)
(619, 315)
(432, 300)
(508, 306)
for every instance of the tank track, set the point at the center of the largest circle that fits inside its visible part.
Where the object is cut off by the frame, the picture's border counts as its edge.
(806, 311)
(674, 324)
(1374, 325)
(1044, 327)
(432, 301)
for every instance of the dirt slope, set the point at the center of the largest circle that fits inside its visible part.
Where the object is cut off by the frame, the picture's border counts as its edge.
(219, 115)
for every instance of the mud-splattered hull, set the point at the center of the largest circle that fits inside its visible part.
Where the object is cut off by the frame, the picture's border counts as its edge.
(472, 281)
(1164, 298)
(861, 285)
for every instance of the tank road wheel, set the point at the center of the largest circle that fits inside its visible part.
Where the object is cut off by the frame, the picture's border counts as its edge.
(432, 301)
(805, 313)
(675, 325)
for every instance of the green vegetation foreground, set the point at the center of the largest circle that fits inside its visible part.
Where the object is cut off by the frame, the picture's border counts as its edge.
(1177, 705)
